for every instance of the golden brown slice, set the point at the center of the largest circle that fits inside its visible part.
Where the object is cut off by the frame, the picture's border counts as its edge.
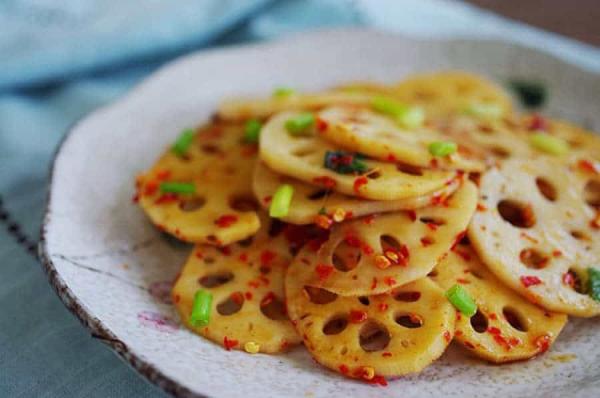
(506, 327)
(303, 156)
(372, 256)
(369, 337)
(450, 92)
(246, 281)
(219, 165)
(536, 232)
(380, 137)
(241, 109)
(310, 201)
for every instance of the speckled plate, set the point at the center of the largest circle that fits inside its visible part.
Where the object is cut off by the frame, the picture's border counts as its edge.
(113, 269)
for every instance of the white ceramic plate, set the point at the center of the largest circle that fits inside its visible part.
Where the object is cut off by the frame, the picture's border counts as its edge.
(104, 258)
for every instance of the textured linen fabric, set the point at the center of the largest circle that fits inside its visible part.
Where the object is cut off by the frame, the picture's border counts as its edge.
(61, 59)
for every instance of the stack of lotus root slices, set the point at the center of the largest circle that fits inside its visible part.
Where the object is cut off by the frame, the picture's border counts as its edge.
(376, 224)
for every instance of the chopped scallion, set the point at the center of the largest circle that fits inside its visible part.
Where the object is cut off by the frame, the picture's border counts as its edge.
(201, 308)
(461, 299)
(252, 130)
(482, 110)
(177, 187)
(280, 204)
(442, 148)
(388, 106)
(549, 144)
(283, 92)
(594, 283)
(300, 124)
(185, 139)
(413, 117)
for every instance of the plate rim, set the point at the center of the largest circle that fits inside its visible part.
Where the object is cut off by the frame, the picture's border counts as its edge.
(97, 328)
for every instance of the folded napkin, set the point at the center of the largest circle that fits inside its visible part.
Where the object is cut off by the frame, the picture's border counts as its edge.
(61, 59)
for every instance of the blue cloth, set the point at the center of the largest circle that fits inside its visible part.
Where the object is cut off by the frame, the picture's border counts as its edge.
(60, 60)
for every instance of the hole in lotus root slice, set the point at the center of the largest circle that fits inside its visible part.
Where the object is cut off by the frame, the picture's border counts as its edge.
(562, 231)
(546, 188)
(517, 213)
(244, 203)
(219, 167)
(348, 332)
(392, 252)
(373, 337)
(437, 221)
(279, 149)
(506, 327)
(346, 257)
(409, 169)
(479, 322)
(216, 279)
(364, 300)
(408, 296)
(591, 193)
(319, 296)
(499, 152)
(381, 137)
(308, 201)
(411, 321)
(231, 305)
(237, 280)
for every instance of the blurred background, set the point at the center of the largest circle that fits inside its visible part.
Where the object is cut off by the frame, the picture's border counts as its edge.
(61, 59)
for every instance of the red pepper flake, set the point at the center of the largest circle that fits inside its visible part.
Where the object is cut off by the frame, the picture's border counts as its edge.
(268, 299)
(383, 307)
(391, 158)
(243, 257)
(324, 271)
(502, 341)
(166, 198)
(494, 330)
(321, 124)
(447, 336)
(386, 354)
(162, 175)
(556, 253)
(368, 250)
(493, 316)
(323, 221)
(267, 257)
(325, 181)
(248, 295)
(412, 215)
(150, 188)
(267, 199)
(357, 316)
(359, 182)
(432, 226)
(229, 343)
(595, 222)
(378, 379)
(514, 341)
(537, 122)
(344, 369)
(434, 163)
(481, 207)
(374, 284)
(398, 256)
(470, 345)
(254, 284)
(458, 238)
(176, 298)
(348, 215)
(426, 241)
(458, 333)
(226, 220)
(530, 280)
(465, 255)
(588, 166)
(569, 279)
(542, 343)
(463, 281)
(369, 219)
(237, 297)
(388, 280)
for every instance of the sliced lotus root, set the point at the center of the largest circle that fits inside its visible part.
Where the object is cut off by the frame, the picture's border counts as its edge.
(309, 201)
(537, 230)
(378, 136)
(219, 165)
(303, 156)
(446, 93)
(506, 327)
(369, 337)
(246, 281)
(241, 109)
(367, 256)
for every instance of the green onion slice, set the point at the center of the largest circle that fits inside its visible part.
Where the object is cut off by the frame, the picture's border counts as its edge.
(252, 130)
(283, 92)
(280, 204)
(177, 187)
(201, 308)
(461, 299)
(299, 124)
(594, 283)
(413, 117)
(183, 142)
(405, 115)
(482, 110)
(442, 148)
(549, 144)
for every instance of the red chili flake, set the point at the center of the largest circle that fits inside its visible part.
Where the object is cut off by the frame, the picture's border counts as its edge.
(357, 316)
(369, 219)
(432, 226)
(226, 220)
(388, 280)
(458, 333)
(386, 354)
(383, 307)
(254, 284)
(324, 271)
(325, 181)
(481, 207)
(398, 256)
(494, 330)
(412, 215)
(267, 199)
(348, 215)
(426, 241)
(595, 222)
(458, 238)
(542, 343)
(266, 257)
(150, 188)
(537, 122)
(530, 280)
(248, 295)
(264, 280)
(514, 341)
(268, 299)
(465, 255)
(377, 379)
(368, 250)
(568, 279)
(556, 253)
(493, 316)
(176, 298)
(163, 175)
(588, 166)
(447, 336)
(458, 316)
(434, 163)
(166, 198)
(374, 284)
(323, 221)
(321, 124)
(359, 182)
(391, 158)
(229, 343)
(243, 257)
(344, 369)
(463, 281)
(502, 341)
(237, 297)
